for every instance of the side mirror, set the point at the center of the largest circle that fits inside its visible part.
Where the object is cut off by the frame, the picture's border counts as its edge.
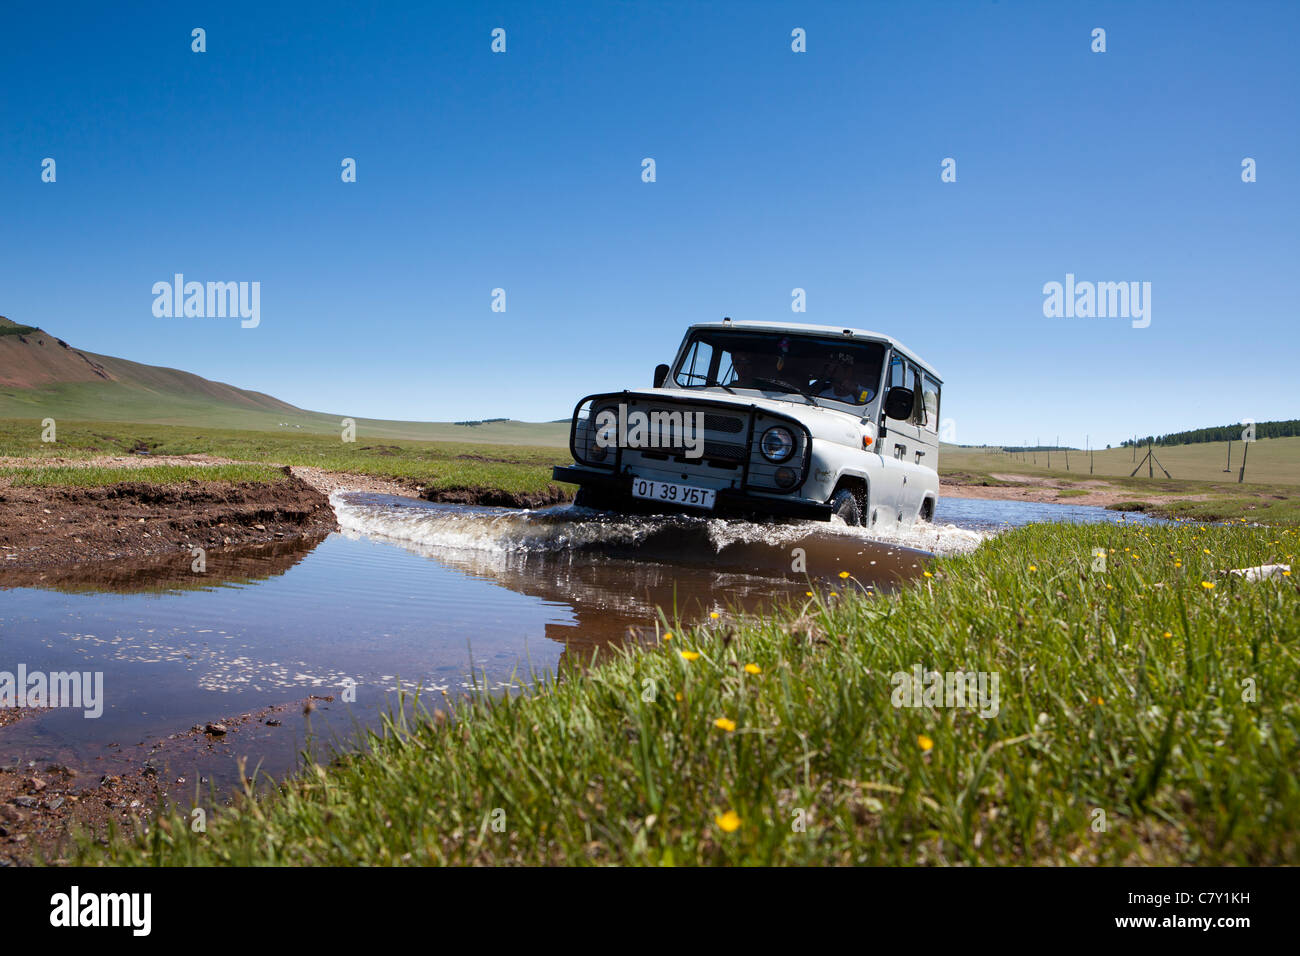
(661, 375)
(898, 403)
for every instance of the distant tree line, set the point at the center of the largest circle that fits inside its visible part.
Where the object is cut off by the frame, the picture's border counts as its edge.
(1286, 429)
(483, 421)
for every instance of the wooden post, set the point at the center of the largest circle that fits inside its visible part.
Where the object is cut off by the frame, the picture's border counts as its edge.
(1150, 463)
(1228, 466)
(1245, 448)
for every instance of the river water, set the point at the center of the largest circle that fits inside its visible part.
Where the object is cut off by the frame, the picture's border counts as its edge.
(409, 595)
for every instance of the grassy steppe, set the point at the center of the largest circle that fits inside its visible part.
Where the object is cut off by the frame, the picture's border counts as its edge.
(123, 404)
(1205, 493)
(1145, 717)
(516, 469)
(1270, 461)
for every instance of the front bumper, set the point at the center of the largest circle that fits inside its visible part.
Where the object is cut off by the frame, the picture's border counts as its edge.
(728, 500)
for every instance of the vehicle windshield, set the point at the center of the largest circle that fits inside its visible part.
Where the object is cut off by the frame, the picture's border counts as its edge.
(821, 369)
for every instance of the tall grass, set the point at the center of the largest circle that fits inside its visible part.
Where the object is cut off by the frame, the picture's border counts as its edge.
(1145, 717)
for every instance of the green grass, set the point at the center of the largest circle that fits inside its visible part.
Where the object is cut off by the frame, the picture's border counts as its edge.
(517, 469)
(123, 404)
(1171, 708)
(76, 476)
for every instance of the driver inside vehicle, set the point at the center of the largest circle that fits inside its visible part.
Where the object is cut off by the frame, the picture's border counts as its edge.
(749, 370)
(843, 382)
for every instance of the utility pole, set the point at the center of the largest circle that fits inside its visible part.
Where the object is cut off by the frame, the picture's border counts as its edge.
(1087, 440)
(1149, 459)
(1067, 456)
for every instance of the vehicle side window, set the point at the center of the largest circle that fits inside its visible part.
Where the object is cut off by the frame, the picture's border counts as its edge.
(930, 398)
(694, 372)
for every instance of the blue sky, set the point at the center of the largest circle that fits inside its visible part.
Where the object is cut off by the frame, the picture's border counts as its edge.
(775, 170)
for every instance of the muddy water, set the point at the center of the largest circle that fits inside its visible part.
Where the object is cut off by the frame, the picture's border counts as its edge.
(409, 594)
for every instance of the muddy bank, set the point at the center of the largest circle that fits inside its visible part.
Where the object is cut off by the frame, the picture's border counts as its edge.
(328, 482)
(1084, 491)
(55, 526)
(43, 808)
(553, 495)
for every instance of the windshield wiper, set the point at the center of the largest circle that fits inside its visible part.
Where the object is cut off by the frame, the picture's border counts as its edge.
(790, 389)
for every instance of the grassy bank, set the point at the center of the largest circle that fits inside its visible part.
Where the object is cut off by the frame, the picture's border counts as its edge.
(1148, 712)
(441, 465)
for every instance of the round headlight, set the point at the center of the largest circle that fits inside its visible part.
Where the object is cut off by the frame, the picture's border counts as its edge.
(777, 444)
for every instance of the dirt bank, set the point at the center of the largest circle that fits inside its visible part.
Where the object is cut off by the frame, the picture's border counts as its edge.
(330, 481)
(42, 808)
(1008, 487)
(52, 526)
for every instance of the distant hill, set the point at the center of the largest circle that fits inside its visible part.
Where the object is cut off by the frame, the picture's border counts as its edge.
(42, 376)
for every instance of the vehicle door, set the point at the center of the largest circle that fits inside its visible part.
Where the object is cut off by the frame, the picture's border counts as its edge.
(906, 444)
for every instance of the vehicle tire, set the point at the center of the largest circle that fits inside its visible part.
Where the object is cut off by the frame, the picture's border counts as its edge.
(845, 505)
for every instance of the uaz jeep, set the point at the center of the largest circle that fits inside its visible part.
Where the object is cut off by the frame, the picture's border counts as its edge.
(767, 418)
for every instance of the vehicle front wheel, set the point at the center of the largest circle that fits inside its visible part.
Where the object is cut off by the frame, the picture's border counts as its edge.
(845, 506)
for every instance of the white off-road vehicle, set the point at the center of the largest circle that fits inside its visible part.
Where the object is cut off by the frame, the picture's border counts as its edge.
(767, 418)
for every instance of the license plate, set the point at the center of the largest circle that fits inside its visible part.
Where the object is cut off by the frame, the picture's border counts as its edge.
(672, 494)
